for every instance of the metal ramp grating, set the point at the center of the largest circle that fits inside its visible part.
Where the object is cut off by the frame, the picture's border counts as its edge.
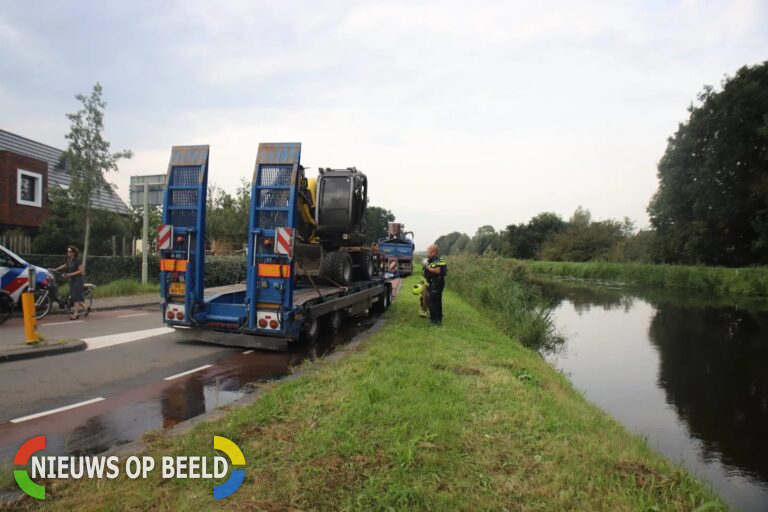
(188, 176)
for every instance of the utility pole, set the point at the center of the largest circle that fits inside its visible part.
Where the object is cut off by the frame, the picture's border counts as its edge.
(145, 238)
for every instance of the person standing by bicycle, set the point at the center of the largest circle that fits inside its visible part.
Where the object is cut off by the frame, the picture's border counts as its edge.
(74, 272)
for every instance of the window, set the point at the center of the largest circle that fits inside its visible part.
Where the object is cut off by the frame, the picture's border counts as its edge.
(30, 188)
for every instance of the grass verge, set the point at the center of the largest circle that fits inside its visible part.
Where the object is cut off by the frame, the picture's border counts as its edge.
(458, 417)
(126, 287)
(119, 288)
(751, 281)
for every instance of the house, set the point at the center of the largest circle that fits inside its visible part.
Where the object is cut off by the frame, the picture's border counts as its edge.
(29, 170)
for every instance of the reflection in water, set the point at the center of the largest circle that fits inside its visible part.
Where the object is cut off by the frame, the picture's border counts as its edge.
(94, 436)
(714, 370)
(689, 373)
(182, 401)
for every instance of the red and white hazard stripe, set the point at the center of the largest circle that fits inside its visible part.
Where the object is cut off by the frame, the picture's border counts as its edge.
(392, 264)
(164, 235)
(284, 241)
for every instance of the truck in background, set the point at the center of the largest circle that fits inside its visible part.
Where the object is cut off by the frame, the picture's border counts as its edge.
(399, 246)
(305, 264)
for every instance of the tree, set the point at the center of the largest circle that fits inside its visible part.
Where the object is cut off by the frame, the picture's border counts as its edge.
(88, 157)
(460, 244)
(227, 215)
(376, 220)
(485, 238)
(137, 224)
(712, 202)
(60, 227)
(446, 242)
(585, 240)
(64, 224)
(525, 240)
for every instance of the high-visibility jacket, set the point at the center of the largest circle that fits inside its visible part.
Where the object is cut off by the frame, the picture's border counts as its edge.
(437, 262)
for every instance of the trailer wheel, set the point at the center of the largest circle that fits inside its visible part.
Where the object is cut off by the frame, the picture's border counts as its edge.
(382, 304)
(332, 321)
(337, 266)
(311, 330)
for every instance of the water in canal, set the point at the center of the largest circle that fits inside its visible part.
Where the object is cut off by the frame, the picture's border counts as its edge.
(688, 373)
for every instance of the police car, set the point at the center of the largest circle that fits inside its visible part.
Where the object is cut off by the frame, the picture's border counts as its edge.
(14, 277)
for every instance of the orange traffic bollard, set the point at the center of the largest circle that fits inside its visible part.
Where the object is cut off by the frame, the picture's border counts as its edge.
(30, 322)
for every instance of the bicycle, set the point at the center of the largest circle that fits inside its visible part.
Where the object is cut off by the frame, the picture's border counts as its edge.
(45, 297)
(8, 305)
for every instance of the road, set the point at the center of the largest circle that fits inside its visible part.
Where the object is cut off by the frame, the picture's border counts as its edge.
(132, 378)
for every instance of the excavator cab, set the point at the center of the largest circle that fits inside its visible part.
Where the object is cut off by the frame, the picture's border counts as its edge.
(342, 196)
(331, 226)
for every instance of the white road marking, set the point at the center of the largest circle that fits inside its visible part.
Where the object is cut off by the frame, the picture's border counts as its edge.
(188, 372)
(64, 323)
(60, 409)
(125, 337)
(135, 314)
(248, 352)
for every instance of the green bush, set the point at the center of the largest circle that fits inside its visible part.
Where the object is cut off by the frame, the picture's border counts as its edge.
(219, 270)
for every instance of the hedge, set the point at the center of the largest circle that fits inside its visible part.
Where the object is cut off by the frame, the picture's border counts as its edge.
(219, 270)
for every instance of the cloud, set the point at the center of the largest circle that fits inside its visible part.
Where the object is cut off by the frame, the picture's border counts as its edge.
(492, 111)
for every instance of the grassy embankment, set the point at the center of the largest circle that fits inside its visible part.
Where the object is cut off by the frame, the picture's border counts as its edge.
(458, 417)
(751, 281)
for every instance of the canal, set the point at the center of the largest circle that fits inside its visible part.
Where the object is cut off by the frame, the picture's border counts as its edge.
(688, 373)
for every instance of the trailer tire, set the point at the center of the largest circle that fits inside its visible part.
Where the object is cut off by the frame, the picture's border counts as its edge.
(337, 266)
(332, 321)
(383, 303)
(311, 330)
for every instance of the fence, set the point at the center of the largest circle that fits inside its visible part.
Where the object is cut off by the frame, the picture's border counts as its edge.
(17, 242)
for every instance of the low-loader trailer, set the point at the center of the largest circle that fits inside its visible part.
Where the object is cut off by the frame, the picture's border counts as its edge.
(306, 266)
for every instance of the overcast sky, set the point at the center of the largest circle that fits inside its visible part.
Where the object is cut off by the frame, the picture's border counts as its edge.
(460, 113)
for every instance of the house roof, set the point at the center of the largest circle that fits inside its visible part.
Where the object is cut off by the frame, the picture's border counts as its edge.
(58, 175)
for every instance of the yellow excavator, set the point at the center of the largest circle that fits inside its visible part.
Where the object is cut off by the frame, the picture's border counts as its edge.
(331, 226)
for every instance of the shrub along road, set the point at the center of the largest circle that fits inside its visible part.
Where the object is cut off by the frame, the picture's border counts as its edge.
(444, 418)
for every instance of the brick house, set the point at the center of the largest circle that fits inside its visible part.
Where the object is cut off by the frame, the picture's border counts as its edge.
(28, 171)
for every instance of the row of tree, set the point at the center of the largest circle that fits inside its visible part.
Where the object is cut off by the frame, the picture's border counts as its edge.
(548, 236)
(711, 206)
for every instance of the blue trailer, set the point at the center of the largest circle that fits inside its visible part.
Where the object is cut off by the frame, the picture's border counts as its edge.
(282, 299)
(398, 246)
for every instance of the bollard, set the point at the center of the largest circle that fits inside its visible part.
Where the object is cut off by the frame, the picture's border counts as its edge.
(30, 322)
(28, 308)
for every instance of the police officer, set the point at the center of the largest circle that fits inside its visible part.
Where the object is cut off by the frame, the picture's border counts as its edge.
(434, 272)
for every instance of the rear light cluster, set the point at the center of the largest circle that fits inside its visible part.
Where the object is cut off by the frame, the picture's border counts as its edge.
(272, 324)
(175, 312)
(267, 320)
